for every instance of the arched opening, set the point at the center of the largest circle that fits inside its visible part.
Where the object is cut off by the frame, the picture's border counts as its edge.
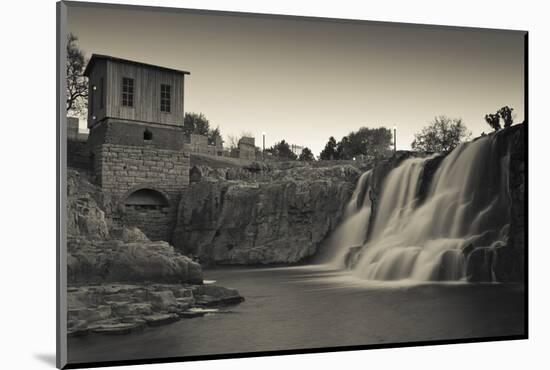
(149, 210)
(146, 199)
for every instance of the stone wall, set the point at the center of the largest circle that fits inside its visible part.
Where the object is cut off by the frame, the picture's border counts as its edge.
(132, 133)
(156, 223)
(199, 144)
(78, 155)
(120, 170)
(247, 148)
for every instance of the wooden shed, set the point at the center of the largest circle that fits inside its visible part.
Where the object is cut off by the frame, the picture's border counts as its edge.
(126, 90)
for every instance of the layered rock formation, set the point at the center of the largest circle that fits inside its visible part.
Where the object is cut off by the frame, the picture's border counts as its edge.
(135, 261)
(125, 308)
(278, 216)
(119, 280)
(100, 251)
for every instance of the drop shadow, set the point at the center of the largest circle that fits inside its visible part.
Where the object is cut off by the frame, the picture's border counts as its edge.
(47, 358)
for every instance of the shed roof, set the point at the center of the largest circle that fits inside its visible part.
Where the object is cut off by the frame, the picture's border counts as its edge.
(96, 57)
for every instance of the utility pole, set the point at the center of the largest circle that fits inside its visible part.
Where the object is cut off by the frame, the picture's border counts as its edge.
(263, 149)
(394, 139)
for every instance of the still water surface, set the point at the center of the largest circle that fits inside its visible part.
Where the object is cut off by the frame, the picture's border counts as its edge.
(314, 307)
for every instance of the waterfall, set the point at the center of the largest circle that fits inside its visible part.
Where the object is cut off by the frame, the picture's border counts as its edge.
(352, 232)
(427, 233)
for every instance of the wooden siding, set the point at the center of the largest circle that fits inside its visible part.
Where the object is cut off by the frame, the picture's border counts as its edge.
(147, 83)
(99, 71)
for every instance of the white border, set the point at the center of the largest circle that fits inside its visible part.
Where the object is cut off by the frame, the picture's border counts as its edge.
(28, 186)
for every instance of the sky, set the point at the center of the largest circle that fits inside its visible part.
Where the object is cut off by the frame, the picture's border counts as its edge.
(306, 80)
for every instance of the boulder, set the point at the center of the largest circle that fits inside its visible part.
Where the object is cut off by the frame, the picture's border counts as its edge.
(133, 234)
(118, 261)
(86, 219)
(85, 208)
(162, 301)
(214, 295)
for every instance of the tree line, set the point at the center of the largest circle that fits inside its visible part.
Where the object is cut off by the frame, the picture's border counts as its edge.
(370, 142)
(443, 134)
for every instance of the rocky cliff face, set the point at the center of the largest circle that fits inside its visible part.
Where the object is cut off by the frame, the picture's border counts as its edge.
(505, 262)
(510, 266)
(280, 218)
(99, 251)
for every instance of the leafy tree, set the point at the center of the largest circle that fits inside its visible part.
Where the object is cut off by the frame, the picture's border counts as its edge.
(194, 123)
(506, 114)
(493, 120)
(281, 150)
(366, 141)
(342, 148)
(214, 134)
(306, 155)
(77, 84)
(330, 150)
(442, 135)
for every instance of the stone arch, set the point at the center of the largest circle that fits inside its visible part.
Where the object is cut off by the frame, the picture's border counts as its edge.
(146, 198)
(150, 210)
(145, 194)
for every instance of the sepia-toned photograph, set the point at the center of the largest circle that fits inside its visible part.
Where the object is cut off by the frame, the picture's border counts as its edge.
(242, 184)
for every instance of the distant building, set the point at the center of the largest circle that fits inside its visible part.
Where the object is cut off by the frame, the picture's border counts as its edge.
(246, 149)
(200, 144)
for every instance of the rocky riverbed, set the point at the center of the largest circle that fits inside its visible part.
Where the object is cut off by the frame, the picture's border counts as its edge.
(119, 281)
(125, 308)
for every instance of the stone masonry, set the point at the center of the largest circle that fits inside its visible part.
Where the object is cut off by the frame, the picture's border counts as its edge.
(122, 170)
(199, 144)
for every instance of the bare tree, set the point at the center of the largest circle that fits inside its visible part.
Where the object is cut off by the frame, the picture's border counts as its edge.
(77, 84)
(232, 141)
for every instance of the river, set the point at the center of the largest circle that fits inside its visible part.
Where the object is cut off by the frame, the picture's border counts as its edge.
(315, 307)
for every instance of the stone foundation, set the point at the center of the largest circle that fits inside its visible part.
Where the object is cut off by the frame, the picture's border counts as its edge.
(122, 170)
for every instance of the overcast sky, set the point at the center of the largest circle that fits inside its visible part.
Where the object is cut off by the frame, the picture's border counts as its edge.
(304, 81)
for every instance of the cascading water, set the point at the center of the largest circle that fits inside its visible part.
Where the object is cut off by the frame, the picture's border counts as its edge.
(352, 232)
(423, 236)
